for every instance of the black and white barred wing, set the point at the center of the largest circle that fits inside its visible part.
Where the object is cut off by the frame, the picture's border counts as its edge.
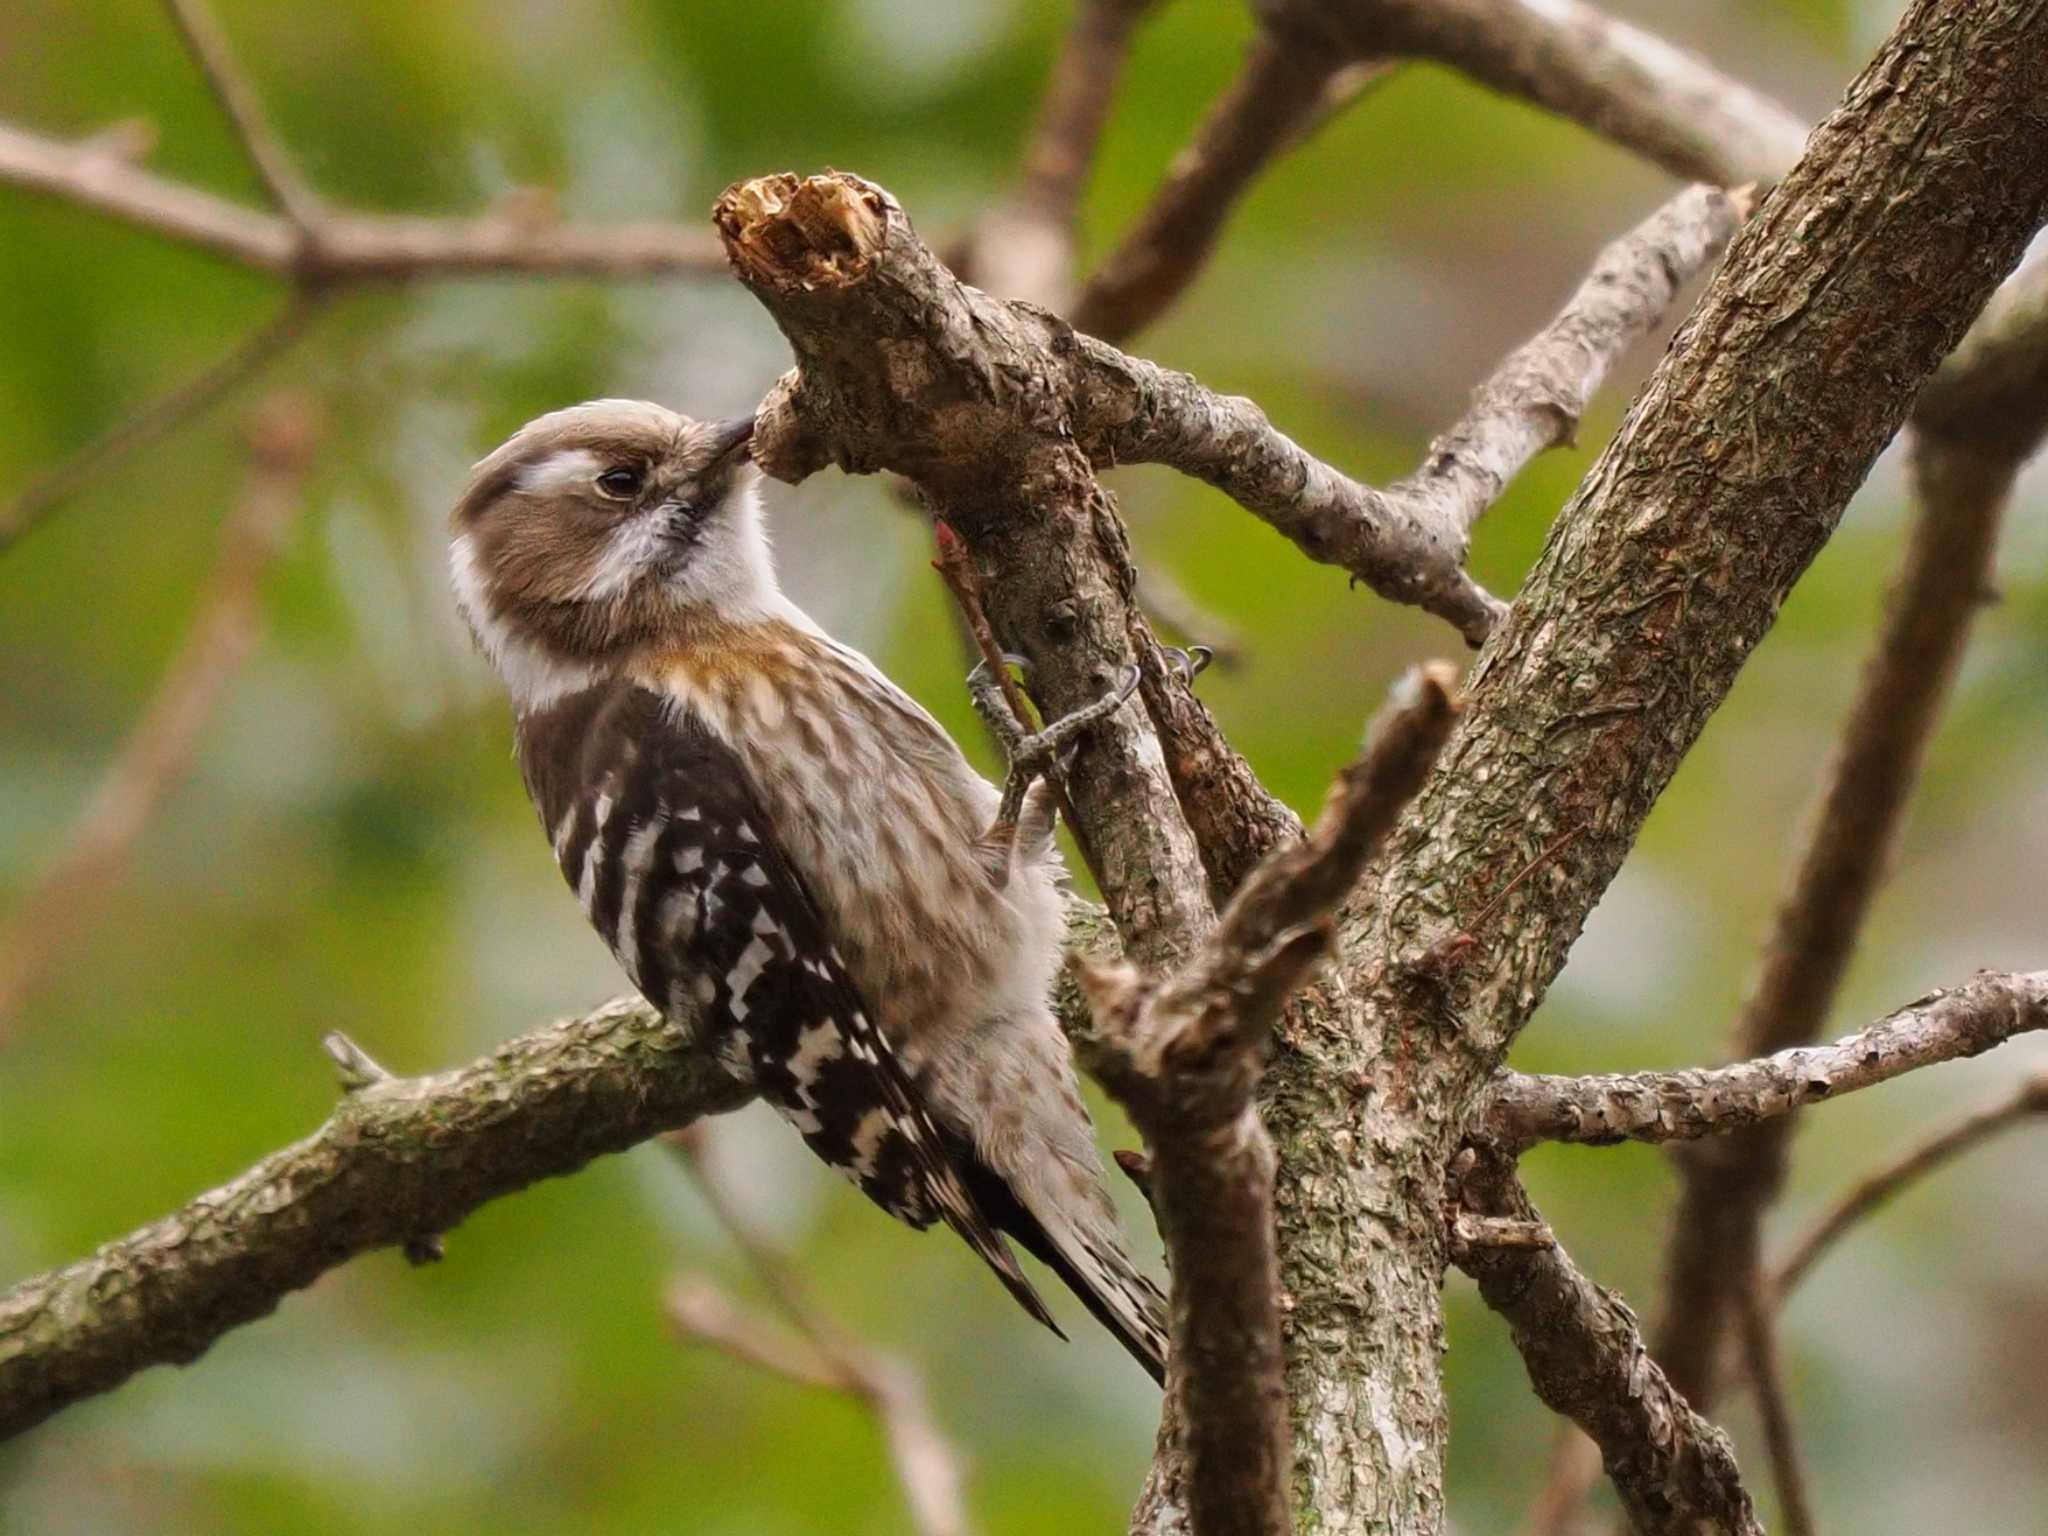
(658, 828)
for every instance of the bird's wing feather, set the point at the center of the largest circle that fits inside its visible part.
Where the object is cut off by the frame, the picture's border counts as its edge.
(660, 830)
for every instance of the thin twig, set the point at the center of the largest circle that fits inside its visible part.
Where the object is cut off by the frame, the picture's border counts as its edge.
(1781, 1439)
(1178, 612)
(348, 247)
(955, 565)
(2028, 1099)
(209, 48)
(156, 419)
(704, 1314)
(828, 1357)
(1409, 541)
(1024, 246)
(160, 748)
(1282, 95)
(1980, 1015)
(1574, 1469)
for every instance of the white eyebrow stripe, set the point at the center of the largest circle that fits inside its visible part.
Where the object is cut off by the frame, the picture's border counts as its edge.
(559, 471)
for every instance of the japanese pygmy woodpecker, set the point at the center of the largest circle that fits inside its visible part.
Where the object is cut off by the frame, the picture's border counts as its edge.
(775, 839)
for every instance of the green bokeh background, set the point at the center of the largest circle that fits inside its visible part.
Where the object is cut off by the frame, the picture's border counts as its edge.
(353, 850)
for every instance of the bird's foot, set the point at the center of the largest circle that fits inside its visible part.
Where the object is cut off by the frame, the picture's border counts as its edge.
(1032, 754)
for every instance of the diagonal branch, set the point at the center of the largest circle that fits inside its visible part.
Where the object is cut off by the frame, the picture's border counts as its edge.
(1980, 1015)
(1183, 1055)
(159, 750)
(2025, 1100)
(209, 48)
(1620, 82)
(399, 1158)
(1024, 247)
(1409, 541)
(1586, 1357)
(1840, 296)
(827, 1356)
(347, 247)
(156, 419)
(1282, 95)
(1977, 420)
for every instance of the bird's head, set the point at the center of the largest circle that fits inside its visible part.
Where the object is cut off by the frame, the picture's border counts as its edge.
(604, 529)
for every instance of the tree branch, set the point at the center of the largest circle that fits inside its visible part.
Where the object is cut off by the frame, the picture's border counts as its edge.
(1675, 1472)
(345, 247)
(828, 1357)
(399, 1160)
(1024, 247)
(1759, 1338)
(1865, 264)
(159, 749)
(1981, 1014)
(1182, 1054)
(1614, 79)
(156, 419)
(902, 367)
(1283, 94)
(2023, 1101)
(1409, 542)
(1979, 417)
(204, 40)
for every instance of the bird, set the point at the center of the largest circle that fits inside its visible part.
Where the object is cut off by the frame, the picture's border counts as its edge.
(781, 845)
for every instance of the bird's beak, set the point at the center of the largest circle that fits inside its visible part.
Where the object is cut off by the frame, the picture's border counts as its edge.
(729, 440)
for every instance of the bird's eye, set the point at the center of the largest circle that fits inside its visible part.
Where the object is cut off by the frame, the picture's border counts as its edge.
(623, 483)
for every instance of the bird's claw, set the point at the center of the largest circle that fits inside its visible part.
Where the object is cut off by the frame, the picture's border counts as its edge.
(1190, 662)
(1032, 754)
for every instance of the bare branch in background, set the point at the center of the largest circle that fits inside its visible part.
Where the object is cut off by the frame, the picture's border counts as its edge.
(159, 750)
(1586, 1358)
(1980, 416)
(349, 248)
(1409, 541)
(1183, 1055)
(2026, 1100)
(1611, 77)
(1755, 1329)
(156, 419)
(204, 40)
(823, 1355)
(1283, 94)
(1024, 246)
(1980, 1015)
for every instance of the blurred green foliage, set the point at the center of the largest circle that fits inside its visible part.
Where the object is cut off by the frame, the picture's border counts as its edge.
(353, 850)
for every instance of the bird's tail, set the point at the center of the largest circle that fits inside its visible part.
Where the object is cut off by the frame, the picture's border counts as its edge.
(1087, 1255)
(1121, 1296)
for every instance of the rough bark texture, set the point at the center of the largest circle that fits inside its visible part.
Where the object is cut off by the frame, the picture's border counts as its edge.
(1728, 474)
(399, 1161)
(1964, 1021)
(1978, 418)
(1674, 1471)
(902, 367)
(1183, 1054)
